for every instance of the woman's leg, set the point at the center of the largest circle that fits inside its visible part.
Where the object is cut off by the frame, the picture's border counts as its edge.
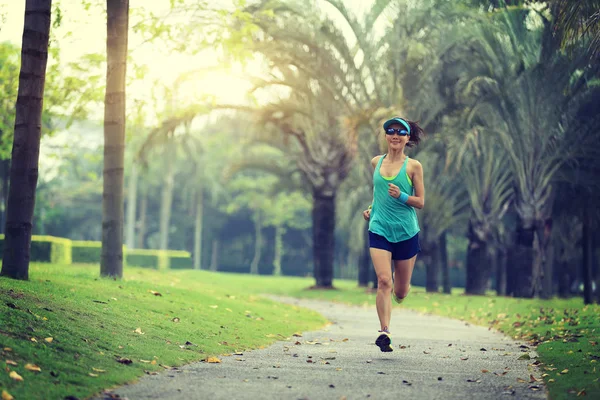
(403, 270)
(383, 268)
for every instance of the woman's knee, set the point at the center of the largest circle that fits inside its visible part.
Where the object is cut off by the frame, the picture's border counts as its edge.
(402, 292)
(384, 282)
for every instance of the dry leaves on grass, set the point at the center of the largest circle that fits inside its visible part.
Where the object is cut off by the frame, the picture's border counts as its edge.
(154, 292)
(15, 376)
(212, 360)
(33, 367)
(6, 395)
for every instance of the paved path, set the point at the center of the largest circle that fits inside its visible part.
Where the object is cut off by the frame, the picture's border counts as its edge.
(433, 358)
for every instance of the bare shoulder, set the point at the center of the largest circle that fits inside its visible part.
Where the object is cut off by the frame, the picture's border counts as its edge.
(375, 160)
(414, 166)
(414, 163)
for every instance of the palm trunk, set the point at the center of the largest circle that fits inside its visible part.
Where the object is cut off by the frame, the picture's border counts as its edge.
(364, 262)
(500, 264)
(141, 235)
(587, 259)
(520, 264)
(198, 230)
(27, 135)
(111, 263)
(432, 270)
(478, 271)
(279, 231)
(547, 261)
(166, 198)
(443, 248)
(214, 256)
(5, 166)
(323, 214)
(257, 243)
(131, 207)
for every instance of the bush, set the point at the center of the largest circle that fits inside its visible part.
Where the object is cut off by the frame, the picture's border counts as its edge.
(179, 259)
(159, 259)
(47, 249)
(142, 258)
(86, 252)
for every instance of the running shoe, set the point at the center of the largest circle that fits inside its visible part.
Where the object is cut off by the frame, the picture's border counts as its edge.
(384, 341)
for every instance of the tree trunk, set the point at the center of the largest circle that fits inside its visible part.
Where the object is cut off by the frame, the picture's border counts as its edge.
(111, 263)
(166, 197)
(478, 268)
(520, 265)
(500, 256)
(27, 135)
(364, 262)
(432, 270)
(257, 243)
(443, 249)
(131, 207)
(141, 235)
(586, 262)
(214, 256)
(198, 230)
(279, 231)
(547, 261)
(5, 166)
(323, 238)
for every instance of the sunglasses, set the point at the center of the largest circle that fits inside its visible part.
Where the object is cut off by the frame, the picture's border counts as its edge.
(399, 131)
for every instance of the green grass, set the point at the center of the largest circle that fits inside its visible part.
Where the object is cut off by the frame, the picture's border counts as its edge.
(93, 323)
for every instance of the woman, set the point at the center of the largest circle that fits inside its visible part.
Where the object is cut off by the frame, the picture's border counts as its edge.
(393, 226)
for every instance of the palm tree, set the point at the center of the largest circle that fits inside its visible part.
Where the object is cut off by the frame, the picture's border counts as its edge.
(27, 134)
(577, 21)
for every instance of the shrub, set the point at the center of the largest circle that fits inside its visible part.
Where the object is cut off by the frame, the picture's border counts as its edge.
(47, 249)
(86, 252)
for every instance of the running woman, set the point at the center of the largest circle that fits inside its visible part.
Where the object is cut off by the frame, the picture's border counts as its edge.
(393, 225)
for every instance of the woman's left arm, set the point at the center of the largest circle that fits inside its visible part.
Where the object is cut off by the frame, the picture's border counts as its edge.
(417, 200)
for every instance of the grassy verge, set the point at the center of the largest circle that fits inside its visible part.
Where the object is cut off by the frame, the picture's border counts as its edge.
(67, 333)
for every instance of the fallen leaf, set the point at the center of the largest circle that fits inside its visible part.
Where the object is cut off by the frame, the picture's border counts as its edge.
(34, 339)
(407, 383)
(521, 380)
(464, 358)
(214, 306)
(297, 334)
(551, 380)
(485, 371)
(239, 359)
(98, 370)
(338, 369)
(534, 387)
(49, 339)
(15, 376)
(345, 340)
(11, 362)
(474, 380)
(139, 330)
(175, 319)
(93, 375)
(212, 360)
(7, 396)
(145, 361)
(525, 356)
(581, 393)
(532, 378)
(153, 362)
(7, 349)
(123, 360)
(32, 367)
(564, 371)
(155, 292)
(426, 352)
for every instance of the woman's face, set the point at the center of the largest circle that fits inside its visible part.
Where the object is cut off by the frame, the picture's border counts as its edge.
(396, 141)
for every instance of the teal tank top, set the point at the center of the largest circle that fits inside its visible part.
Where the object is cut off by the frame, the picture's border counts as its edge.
(391, 218)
